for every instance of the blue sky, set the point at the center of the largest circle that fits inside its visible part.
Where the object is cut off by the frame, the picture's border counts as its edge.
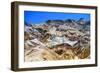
(36, 17)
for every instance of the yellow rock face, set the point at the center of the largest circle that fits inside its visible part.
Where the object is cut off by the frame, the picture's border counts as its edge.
(84, 54)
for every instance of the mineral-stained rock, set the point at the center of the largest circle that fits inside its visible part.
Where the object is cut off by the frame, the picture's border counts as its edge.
(69, 55)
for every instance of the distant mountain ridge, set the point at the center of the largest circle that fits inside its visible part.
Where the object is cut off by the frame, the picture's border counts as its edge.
(69, 22)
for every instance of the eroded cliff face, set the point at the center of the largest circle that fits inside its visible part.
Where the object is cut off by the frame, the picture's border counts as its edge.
(57, 40)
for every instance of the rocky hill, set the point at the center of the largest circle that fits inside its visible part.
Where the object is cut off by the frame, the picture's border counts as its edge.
(57, 40)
